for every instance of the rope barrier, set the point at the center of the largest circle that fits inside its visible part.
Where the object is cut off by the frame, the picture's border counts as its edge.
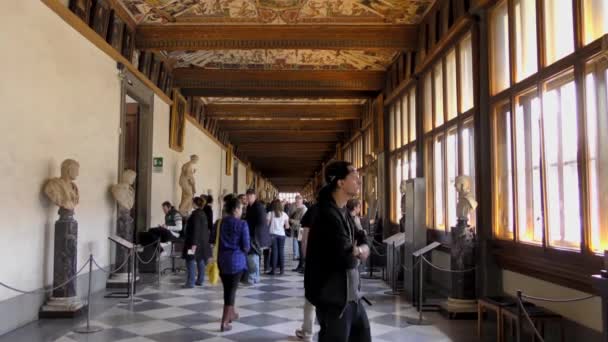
(116, 270)
(413, 267)
(523, 310)
(151, 259)
(445, 269)
(50, 289)
(551, 300)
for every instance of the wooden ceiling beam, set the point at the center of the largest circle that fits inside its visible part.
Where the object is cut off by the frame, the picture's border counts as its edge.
(286, 93)
(172, 37)
(278, 80)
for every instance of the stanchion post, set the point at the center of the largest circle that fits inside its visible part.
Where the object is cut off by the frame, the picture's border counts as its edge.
(519, 316)
(158, 261)
(420, 320)
(134, 278)
(89, 329)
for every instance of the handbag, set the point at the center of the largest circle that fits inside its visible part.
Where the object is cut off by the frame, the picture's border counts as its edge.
(212, 269)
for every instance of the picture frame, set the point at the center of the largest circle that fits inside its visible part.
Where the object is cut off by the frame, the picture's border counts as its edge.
(116, 31)
(169, 84)
(162, 77)
(82, 9)
(100, 18)
(177, 122)
(127, 42)
(144, 62)
(229, 158)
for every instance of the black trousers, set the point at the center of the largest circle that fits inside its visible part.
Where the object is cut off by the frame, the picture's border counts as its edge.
(352, 326)
(301, 259)
(230, 283)
(267, 259)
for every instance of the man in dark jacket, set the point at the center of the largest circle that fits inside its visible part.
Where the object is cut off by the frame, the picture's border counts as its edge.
(258, 233)
(197, 249)
(335, 250)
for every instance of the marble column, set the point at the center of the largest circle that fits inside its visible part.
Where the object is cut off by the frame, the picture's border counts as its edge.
(64, 301)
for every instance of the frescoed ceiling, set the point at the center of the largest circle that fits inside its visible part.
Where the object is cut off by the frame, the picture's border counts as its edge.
(285, 59)
(278, 11)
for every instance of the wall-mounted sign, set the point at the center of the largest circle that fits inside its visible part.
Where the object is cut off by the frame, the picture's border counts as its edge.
(157, 164)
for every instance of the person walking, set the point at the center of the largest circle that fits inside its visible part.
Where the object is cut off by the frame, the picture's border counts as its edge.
(234, 244)
(305, 333)
(335, 250)
(197, 249)
(260, 236)
(278, 222)
(296, 230)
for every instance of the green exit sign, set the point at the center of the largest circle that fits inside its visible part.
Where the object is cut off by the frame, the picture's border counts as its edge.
(157, 163)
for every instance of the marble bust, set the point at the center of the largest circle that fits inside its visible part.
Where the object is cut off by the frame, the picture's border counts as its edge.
(188, 185)
(123, 192)
(466, 201)
(62, 190)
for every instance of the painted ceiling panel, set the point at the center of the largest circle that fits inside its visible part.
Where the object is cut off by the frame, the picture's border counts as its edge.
(285, 59)
(278, 11)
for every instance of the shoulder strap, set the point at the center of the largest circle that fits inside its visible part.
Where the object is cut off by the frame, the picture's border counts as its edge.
(217, 239)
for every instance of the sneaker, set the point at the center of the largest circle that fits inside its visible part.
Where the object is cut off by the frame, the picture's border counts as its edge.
(303, 336)
(186, 286)
(198, 283)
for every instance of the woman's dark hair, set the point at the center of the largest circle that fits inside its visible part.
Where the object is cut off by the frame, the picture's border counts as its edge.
(352, 204)
(198, 202)
(228, 197)
(334, 171)
(232, 204)
(209, 199)
(277, 208)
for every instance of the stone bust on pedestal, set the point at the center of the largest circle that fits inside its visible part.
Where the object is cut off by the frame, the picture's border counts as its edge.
(123, 192)
(62, 190)
(466, 201)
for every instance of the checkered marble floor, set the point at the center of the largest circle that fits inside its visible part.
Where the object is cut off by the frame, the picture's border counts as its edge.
(269, 311)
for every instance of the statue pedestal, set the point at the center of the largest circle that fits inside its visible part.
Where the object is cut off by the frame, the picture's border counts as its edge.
(64, 301)
(462, 301)
(124, 229)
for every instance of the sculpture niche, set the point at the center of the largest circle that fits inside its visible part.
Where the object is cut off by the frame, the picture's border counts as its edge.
(63, 192)
(124, 195)
(188, 185)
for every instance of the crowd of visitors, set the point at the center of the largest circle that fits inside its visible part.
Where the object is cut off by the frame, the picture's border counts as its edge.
(329, 242)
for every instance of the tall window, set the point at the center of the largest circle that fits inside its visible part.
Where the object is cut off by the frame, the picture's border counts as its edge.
(596, 99)
(596, 19)
(525, 38)
(438, 94)
(428, 102)
(466, 74)
(559, 30)
(439, 183)
(412, 114)
(451, 85)
(500, 48)
(503, 170)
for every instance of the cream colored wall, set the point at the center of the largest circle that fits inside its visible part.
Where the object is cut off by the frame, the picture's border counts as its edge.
(165, 184)
(587, 313)
(60, 99)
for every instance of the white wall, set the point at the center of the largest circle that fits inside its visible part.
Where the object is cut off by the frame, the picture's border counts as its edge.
(60, 99)
(165, 184)
(587, 313)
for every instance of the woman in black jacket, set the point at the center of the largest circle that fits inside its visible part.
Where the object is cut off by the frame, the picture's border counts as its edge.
(197, 249)
(335, 250)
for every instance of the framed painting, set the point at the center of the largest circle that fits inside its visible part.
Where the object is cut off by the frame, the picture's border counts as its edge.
(100, 20)
(162, 77)
(82, 9)
(178, 122)
(127, 43)
(144, 62)
(116, 32)
(155, 69)
(229, 158)
(169, 84)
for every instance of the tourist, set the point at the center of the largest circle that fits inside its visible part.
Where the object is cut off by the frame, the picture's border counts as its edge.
(278, 222)
(197, 249)
(209, 209)
(306, 331)
(354, 209)
(243, 200)
(335, 250)
(234, 244)
(173, 219)
(296, 230)
(260, 237)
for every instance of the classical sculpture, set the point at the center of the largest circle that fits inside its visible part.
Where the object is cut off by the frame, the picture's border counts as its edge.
(402, 190)
(123, 192)
(187, 183)
(371, 176)
(62, 191)
(466, 202)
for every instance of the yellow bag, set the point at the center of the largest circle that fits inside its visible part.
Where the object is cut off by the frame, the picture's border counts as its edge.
(212, 269)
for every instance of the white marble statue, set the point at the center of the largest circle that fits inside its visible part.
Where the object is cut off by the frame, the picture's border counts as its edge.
(62, 190)
(123, 192)
(371, 177)
(466, 200)
(188, 185)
